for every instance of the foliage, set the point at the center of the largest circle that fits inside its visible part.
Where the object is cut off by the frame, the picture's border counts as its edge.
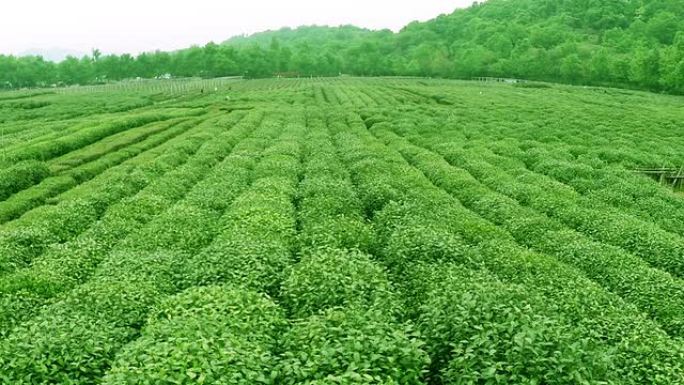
(312, 286)
(351, 346)
(204, 335)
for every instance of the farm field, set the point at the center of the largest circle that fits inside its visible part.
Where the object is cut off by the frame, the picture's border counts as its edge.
(340, 231)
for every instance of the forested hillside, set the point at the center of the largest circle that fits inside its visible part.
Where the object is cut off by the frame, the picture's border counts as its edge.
(624, 43)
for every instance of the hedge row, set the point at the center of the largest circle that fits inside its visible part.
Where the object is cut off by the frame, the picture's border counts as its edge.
(630, 193)
(205, 335)
(482, 330)
(613, 328)
(330, 213)
(258, 231)
(220, 333)
(444, 310)
(49, 148)
(21, 176)
(107, 311)
(63, 266)
(346, 330)
(653, 291)
(126, 141)
(60, 186)
(662, 249)
(28, 237)
(344, 327)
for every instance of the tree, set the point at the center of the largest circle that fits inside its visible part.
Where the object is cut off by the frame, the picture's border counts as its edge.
(663, 27)
(645, 67)
(571, 68)
(74, 71)
(599, 67)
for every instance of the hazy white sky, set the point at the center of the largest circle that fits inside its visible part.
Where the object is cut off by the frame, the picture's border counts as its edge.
(117, 26)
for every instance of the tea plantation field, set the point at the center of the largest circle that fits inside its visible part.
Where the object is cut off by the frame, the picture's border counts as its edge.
(340, 231)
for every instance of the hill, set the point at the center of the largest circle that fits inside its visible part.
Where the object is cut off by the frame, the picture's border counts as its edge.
(612, 42)
(313, 35)
(622, 43)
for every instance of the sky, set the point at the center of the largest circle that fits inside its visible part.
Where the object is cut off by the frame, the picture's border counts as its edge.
(134, 26)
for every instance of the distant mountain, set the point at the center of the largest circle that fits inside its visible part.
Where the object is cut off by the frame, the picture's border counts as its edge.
(313, 35)
(53, 54)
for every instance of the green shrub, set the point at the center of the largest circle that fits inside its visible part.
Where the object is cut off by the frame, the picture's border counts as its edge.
(351, 346)
(329, 278)
(21, 176)
(479, 329)
(213, 335)
(336, 232)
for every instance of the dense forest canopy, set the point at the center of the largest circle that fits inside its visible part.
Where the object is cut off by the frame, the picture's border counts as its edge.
(624, 43)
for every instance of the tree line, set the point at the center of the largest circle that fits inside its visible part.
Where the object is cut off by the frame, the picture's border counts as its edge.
(624, 43)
